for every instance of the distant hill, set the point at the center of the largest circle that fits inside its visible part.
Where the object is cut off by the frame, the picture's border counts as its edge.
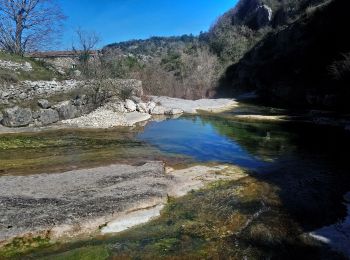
(154, 46)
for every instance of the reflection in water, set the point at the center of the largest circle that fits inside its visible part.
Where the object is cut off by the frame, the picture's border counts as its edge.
(199, 139)
(204, 139)
(305, 177)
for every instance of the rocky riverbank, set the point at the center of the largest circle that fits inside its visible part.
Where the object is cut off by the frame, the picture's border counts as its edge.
(133, 111)
(78, 113)
(42, 103)
(90, 104)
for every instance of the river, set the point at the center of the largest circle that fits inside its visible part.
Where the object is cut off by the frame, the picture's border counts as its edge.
(298, 176)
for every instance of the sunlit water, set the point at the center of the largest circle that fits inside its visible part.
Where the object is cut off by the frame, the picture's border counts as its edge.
(199, 139)
(307, 163)
(186, 139)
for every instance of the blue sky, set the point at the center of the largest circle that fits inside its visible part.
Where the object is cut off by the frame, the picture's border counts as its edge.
(120, 20)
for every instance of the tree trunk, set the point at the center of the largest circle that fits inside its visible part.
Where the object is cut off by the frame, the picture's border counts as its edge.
(19, 31)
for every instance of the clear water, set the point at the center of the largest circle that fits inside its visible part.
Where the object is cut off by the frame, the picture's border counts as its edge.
(186, 139)
(307, 165)
(192, 136)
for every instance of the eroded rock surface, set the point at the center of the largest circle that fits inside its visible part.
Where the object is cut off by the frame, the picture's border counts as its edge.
(16, 117)
(66, 110)
(42, 202)
(48, 116)
(79, 201)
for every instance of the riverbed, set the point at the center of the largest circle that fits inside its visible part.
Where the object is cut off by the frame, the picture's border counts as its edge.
(296, 179)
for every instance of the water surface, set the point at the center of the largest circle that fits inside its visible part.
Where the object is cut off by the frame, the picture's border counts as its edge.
(199, 139)
(299, 173)
(182, 140)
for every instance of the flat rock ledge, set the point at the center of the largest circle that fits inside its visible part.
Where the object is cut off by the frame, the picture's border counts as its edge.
(77, 203)
(192, 106)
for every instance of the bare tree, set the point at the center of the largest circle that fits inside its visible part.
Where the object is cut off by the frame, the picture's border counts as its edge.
(91, 64)
(27, 25)
(85, 46)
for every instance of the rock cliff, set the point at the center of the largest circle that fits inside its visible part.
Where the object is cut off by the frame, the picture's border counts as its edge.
(305, 64)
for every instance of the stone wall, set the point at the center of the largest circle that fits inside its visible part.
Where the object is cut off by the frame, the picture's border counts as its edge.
(15, 66)
(11, 94)
(61, 60)
(41, 109)
(61, 64)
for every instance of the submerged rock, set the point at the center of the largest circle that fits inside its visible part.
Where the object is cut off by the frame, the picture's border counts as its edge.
(136, 117)
(337, 236)
(16, 117)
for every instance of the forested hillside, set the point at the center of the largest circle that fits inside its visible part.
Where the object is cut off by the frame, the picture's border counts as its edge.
(305, 64)
(267, 46)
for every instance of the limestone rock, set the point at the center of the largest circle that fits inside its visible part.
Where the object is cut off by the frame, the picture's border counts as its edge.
(48, 116)
(150, 106)
(263, 15)
(4, 94)
(23, 95)
(77, 73)
(173, 111)
(35, 114)
(43, 103)
(142, 107)
(1, 117)
(130, 105)
(136, 99)
(158, 110)
(66, 110)
(16, 117)
(118, 107)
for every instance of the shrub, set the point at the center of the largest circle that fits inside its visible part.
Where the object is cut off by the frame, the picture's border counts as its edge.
(125, 93)
(8, 77)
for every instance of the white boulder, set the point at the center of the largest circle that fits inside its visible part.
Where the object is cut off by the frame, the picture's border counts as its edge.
(158, 110)
(130, 105)
(142, 108)
(150, 106)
